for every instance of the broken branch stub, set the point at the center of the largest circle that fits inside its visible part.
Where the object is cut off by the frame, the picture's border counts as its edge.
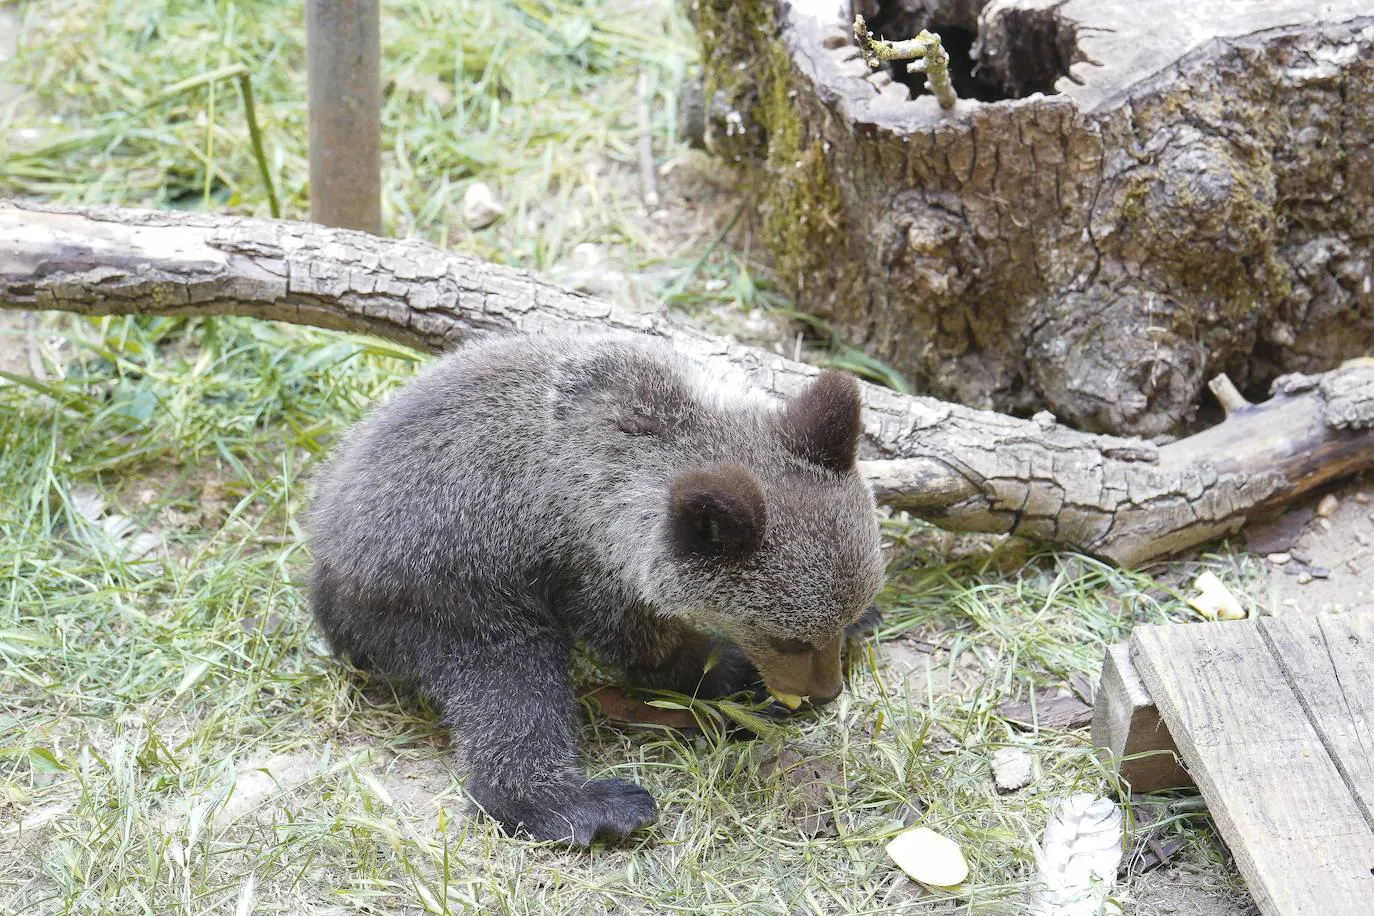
(1124, 499)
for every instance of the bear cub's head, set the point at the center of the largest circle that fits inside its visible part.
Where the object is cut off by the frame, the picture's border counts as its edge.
(784, 554)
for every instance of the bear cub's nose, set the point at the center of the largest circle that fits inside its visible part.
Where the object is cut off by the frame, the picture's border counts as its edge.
(821, 699)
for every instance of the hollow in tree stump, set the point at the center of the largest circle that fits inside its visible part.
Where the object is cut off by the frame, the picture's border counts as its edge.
(1126, 200)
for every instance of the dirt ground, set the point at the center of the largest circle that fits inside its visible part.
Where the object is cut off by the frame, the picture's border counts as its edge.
(1321, 551)
(1180, 891)
(13, 331)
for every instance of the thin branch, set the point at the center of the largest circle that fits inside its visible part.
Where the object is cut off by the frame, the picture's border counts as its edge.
(927, 49)
(255, 135)
(648, 173)
(239, 73)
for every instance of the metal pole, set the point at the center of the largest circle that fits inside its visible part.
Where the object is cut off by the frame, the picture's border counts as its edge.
(343, 51)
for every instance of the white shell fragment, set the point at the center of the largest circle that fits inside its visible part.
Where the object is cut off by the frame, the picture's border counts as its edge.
(481, 207)
(1077, 862)
(928, 857)
(1214, 600)
(117, 531)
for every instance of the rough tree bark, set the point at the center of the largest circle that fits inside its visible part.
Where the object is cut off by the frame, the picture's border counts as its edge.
(1124, 499)
(1125, 201)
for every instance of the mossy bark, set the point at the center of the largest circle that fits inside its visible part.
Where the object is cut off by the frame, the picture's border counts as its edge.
(1197, 197)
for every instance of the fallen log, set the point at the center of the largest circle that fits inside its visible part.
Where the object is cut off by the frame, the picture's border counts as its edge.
(1124, 499)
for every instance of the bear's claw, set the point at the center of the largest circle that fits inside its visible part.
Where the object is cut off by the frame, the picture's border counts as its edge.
(608, 809)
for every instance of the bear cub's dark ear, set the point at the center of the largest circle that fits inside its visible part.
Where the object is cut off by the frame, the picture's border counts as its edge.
(822, 422)
(718, 513)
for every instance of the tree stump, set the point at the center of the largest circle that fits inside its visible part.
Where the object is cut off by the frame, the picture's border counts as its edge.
(1124, 202)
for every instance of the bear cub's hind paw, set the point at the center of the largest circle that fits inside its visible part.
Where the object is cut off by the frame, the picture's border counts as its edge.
(608, 809)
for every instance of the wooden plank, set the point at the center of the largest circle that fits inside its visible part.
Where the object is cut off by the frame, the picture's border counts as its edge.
(1330, 662)
(1127, 731)
(1274, 790)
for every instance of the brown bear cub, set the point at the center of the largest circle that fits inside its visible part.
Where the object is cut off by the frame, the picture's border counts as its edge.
(527, 493)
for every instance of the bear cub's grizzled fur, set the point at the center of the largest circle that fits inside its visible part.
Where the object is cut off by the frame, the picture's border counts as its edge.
(527, 493)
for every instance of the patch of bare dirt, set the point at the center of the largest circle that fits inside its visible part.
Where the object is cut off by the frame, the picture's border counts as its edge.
(1320, 553)
(927, 670)
(14, 332)
(700, 204)
(1180, 890)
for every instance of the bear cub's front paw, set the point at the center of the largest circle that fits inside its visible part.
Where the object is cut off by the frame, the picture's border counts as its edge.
(608, 809)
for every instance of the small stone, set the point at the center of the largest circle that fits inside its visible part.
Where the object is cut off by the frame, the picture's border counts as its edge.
(586, 270)
(481, 207)
(1319, 572)
(143, 546)
(1362, 538)
(88, 504)
(1304, 578)
(1324, 524)
(1278, 559)
(1362, 498)
(1044, 419)
(587, 255)
(1011, 768)
(1327, 507)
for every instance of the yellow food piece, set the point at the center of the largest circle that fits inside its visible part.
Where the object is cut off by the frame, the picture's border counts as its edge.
(790, 700)
(928, 857)
(1214, 600)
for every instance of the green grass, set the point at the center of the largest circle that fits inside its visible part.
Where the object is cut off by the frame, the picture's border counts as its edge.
(144, 703)
(537, 97)
(137, 693)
